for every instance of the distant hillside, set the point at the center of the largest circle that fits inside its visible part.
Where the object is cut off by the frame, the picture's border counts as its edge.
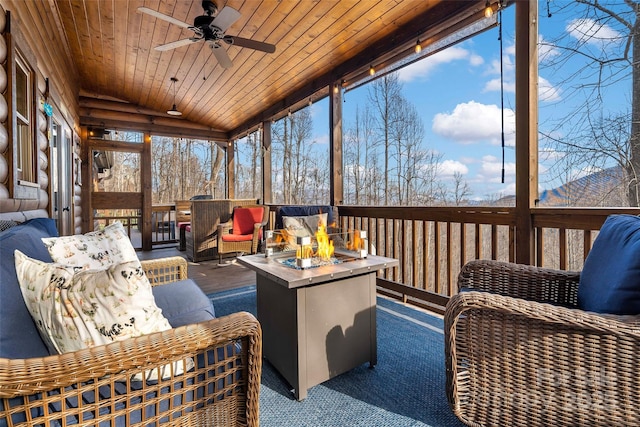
(603, 188)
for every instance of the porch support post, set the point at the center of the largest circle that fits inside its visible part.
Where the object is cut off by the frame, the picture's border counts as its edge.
(526, 16)
(267, 196)
(231, 176)
(147, 205)
(335, 149)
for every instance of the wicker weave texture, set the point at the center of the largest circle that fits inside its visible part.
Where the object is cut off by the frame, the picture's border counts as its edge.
(165, 270)
(94, 386)
(520, 353)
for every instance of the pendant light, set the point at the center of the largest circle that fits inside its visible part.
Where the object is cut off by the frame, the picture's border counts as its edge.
(174, 111)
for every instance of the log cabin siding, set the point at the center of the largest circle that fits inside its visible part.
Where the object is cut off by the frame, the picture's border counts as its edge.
(56, 84)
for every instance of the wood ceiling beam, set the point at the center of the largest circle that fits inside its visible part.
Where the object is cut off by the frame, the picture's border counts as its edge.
(122, 115)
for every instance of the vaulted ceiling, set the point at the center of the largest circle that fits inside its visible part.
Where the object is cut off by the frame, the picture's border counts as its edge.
(317, 43)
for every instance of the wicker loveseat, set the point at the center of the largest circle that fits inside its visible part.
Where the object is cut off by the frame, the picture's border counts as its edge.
(97, 385)
(519, 352)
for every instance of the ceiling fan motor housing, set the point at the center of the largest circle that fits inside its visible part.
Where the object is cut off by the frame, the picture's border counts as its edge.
(203, 21)
(209, 7)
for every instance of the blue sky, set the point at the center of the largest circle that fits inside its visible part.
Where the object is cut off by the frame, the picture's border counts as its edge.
(457, 94)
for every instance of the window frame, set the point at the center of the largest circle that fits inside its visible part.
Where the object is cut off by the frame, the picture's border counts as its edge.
(21, 59)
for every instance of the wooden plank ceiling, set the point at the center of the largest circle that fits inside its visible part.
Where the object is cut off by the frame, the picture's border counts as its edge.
(317, 42)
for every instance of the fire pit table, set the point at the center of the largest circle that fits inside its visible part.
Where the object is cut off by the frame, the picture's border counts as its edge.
(319, 322)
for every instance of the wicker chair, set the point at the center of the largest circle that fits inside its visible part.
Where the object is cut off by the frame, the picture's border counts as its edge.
(243, 232)
(520, 353)
(94, 387)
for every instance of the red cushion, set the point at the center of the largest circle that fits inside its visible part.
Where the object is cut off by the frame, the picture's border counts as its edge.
(237, 237)
(245, 218)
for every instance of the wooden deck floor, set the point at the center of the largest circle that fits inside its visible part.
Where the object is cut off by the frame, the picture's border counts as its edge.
(210, 276)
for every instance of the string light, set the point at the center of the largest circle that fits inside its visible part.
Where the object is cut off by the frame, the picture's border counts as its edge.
(372, 70)
(488, 10)
(418, 46)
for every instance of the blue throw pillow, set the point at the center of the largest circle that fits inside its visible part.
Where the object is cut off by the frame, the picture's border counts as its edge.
(19, 336)
(610, 279)
(183, 303)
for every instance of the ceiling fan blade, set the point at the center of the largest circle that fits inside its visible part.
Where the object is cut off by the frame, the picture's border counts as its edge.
(221, 55)
(163, 16)
(175, 44)
(225, 18)
(251, 44)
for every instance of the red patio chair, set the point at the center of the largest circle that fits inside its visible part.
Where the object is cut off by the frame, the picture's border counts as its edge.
(244, 231)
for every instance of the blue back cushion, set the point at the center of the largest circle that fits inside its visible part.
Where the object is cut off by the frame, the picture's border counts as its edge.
(183, 303)
(19, 337)
(610, 279)
(302, 211)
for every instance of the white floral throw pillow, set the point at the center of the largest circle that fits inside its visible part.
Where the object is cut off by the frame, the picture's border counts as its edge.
(75, 308)
(93, 250)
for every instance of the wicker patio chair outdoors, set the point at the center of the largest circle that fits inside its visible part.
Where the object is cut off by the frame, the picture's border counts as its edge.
(519, 352)
(243, 232)
(94, 386)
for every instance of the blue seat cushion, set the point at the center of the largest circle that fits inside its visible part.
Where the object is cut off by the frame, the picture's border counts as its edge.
(302, 211)
(183, 303)
(19, 336)
(610, 278)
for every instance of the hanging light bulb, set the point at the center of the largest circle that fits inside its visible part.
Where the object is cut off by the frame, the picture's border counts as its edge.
(418, 46)
(372, 70)
(174, 110)
(488, 10)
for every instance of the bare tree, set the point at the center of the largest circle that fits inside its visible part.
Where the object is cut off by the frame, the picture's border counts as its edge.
(216, 173)
(357, 147)
(461, 189)
(383, 96)
(300, 164)
(248, 166)
(603, 37)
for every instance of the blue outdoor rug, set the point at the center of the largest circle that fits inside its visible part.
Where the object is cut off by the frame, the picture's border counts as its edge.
(406, 388)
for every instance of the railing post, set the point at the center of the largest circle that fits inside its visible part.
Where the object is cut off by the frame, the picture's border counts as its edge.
(335, 150)
(526, 127)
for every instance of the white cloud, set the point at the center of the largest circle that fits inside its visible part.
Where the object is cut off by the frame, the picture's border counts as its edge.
(448, 167)
(550, 154)
(494, 85)
(473, 122)
(593, 32)
(424, 67)
(546, 50)
(476, 60)
(547, 92)
(322, 139)
(491, 171)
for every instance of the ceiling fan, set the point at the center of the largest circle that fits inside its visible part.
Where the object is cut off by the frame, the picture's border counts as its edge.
(211, 28)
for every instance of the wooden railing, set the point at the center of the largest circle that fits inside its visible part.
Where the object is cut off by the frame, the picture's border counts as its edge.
(432, 244)
(163, 224)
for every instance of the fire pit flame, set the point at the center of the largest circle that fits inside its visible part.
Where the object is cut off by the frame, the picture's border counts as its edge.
(325, 245)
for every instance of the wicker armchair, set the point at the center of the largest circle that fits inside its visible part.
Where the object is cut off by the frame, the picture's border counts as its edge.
(94, 386)
(243, 231)
(520, 353)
